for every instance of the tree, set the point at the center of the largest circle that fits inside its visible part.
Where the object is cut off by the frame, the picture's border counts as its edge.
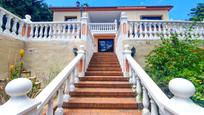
(197, 14)
(38, 10)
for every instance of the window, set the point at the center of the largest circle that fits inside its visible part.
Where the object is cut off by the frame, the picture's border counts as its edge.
(70, 18)
(151, 18)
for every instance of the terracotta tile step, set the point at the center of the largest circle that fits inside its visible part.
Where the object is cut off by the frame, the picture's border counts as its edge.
(103, 78)
(102, 84)
(103, 69)
(104, 73)
(101, 103)
(101, 62)
(104, 60)
(102, 112)
(104, 65)
(102, 92)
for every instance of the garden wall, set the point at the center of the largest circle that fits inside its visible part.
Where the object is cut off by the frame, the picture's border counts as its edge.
(46, 58)
(143, 48)
(9, 48)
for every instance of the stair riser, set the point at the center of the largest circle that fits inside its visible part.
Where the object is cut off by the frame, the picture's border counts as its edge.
(103, 85)
(100, 105)
(102, 94)
(103, 74)
(102, 79)
(103, 65)
(104, 69)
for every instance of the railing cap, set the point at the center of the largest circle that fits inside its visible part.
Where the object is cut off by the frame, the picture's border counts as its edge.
(181, 88)
(18, 87)
(81, 49)
(127, 49)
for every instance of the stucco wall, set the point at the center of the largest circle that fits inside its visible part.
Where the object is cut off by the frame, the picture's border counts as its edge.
(143, 48)
(9, 48)
(44, 58)
(132, 15)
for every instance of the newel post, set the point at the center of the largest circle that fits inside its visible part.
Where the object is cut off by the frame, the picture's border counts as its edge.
(182, 90)
(19, 103)
(26, 28)
(126, 68)
(124, 25)
(81, 67)
(84, 26)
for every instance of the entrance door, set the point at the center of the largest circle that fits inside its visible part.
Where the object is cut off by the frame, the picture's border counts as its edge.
(105, 45)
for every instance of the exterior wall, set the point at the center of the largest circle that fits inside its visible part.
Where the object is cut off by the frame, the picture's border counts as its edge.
(143, 48)
(44, 58)
(59, 16)
(9, 49)
(135, 15)
(132, 15)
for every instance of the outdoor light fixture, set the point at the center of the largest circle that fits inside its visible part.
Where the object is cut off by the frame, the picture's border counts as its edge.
(81, 6)
(133, 51)
(75, 51)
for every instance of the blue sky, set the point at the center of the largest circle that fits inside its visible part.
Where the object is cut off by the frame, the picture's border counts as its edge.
(179, 12)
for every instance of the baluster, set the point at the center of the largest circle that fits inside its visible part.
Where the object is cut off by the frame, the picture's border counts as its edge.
(164, 26)
(21, 23)
(50, 107)
(78, 30)
(8, 24)
(154, 110)
(67, 89)
(14, 28)
(76, 79)
(130, 74)
(159, 29)
(141, 30)
(145, 30)
(54, 35)
(1, 20)
(130, 30)
(138, 90)
(145, 102)
(63, 31)
(36, 31)
(133, 80)
(31, 31)
(41, 31)
(50, 35)
(73, 30)
(59, 110)
(59, 27)
(68, 30)
(136, 35)
(72, 87)
(154, 32)
(150, 25)
(45, 31)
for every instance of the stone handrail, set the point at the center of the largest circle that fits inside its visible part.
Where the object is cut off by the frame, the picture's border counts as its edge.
(153, 99)
(61, 85)
(152, 29)
(103, 27)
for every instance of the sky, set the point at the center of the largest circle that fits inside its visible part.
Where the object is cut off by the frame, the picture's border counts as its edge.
(180, 10)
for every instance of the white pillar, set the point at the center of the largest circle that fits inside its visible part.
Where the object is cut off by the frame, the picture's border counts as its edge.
(84, 26)
(126, 65)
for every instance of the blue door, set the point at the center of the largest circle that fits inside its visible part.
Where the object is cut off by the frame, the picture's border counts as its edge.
(105, 45)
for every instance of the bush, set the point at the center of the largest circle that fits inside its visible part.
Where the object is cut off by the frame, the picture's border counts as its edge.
(176, 58)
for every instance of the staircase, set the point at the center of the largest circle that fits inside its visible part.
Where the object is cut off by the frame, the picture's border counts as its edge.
(103, 90)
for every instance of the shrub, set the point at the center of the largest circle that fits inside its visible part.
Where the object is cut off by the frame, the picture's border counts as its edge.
(176, 58)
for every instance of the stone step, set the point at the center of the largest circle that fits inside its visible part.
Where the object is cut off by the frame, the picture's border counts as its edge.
(102, 84)
(102, 112)
(104, 69)
(103, 73)
(102, 92)
(103, 78)
(101, 103)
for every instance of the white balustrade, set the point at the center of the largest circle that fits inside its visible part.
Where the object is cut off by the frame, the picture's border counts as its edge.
(154, 100)
(146, 29)
(103, 27)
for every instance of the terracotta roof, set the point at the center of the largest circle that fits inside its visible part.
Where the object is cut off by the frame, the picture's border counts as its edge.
(112, 8)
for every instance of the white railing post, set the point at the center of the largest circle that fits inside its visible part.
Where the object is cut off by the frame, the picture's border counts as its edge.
(84, 26)
(124, 25)
(82, 62)
(116, 25)
(182, 90)
(50, 107)
(126, 64)
(8, 24)
(19, 103)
